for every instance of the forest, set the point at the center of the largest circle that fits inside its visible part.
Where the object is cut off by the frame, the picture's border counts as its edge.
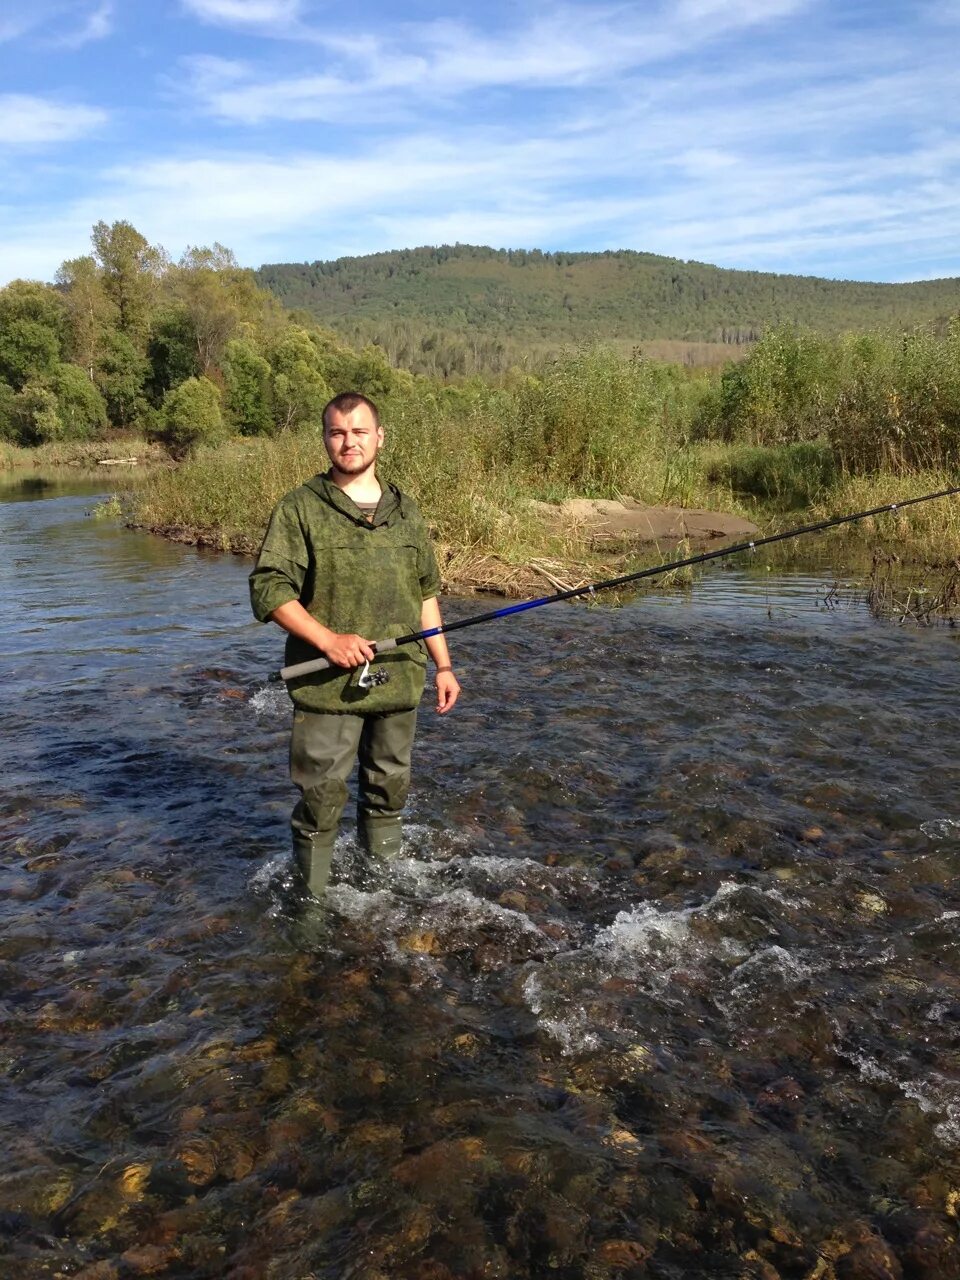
(186, 352)
(459, 309)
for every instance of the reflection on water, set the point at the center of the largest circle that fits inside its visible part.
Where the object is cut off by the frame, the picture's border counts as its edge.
(665, 984)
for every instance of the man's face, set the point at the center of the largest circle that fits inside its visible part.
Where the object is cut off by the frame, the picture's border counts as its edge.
(352, 440)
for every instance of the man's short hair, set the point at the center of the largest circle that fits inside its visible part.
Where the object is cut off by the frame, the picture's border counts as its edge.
(346, 402)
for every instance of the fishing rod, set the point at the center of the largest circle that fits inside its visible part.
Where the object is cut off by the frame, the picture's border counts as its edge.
(384, 646)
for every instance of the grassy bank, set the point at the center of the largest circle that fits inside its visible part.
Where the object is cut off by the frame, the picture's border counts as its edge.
(80, 453)
(800, 431)
(489, 537)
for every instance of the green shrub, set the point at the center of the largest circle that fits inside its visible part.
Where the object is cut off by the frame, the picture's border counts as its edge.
(81, 408)
(192, 416)
(249, 393)
(791, 475)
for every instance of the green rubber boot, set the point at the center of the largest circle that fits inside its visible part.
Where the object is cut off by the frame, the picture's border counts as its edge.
(382, 838)
(313, 854)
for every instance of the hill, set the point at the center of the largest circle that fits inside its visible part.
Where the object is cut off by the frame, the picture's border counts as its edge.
(460, 309)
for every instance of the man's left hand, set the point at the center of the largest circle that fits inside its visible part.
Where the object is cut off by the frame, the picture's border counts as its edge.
(448, 691)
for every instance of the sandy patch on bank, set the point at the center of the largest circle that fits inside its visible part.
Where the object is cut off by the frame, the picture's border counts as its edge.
(665, 526)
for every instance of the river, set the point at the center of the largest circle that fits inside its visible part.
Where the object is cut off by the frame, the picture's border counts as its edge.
(665, 984)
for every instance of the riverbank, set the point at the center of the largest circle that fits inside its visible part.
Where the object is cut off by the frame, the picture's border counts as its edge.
(120, 451)
(498, 532)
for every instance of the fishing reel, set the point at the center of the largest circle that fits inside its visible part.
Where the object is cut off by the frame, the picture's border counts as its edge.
(372, 679)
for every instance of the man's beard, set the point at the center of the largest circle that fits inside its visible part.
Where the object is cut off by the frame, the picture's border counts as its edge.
(353, 466)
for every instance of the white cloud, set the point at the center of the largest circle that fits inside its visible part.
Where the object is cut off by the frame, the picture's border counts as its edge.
(29, 121)
(732, 208)
(97, 25)
(568, 46)
(67, 24)
(246, 13)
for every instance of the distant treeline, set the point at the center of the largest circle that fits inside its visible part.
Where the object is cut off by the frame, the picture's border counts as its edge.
(461, 309)
(187, 352)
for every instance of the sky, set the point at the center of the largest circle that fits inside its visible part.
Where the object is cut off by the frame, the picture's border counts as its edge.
(809, 136)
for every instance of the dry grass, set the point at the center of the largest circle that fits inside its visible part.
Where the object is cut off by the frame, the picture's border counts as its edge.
(80, 453)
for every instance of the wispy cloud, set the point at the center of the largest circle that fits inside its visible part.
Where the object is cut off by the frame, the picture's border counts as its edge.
(278, 14)
(97, 24)
(573, 46)
(27, 121)
(65, 24)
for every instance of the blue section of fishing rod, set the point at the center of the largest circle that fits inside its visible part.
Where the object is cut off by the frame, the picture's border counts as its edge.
(486, 617)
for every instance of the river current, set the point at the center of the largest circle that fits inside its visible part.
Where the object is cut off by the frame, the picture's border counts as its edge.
(665, 985)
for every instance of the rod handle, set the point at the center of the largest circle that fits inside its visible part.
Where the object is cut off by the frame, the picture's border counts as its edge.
(321, 664)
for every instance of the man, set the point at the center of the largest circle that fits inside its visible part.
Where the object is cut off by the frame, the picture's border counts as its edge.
(347, 561)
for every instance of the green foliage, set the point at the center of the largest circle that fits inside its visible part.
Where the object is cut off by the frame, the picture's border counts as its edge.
(36, 418)
(593, 424)
(220, 298)
(781, 391)
(788, 475)
(876, 401)
(90, 314)
(192, 415)
(366, 371)
(130, 272)
(171, 350)
(300, 389)
(31, 332)
(124, 331)
(248, 379)
(460, 309)
(81, 408)
(9, 426)
(120, 377)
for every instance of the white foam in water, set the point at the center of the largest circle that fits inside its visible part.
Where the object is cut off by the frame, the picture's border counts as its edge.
(763, 964)
(644, 930)
(941, 828)
(462, 904)
(934, 1095)
(529, 873)
(361, 904)
(653, 947)
(571, 1031)
(274, 868)
(271, 702)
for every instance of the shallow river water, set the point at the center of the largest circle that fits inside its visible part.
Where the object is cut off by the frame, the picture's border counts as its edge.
(666, 983)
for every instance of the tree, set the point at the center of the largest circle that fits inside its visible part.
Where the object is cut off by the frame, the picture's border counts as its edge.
(90, 314)
(192, 415)
(120, 378)
(8, 413)
(366, 371)
(299, 388)
(31, 332)
(35, 415)
(80, 406)
(131, 270)
(220, 298)
(171, 350)
(249, 397)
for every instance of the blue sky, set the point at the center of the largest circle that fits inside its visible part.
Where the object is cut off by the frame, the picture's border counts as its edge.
(814, 136)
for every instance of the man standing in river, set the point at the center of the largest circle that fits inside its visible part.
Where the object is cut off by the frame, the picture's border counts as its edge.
(345, 558)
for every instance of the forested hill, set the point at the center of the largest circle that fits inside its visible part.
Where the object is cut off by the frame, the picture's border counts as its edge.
(489, 306)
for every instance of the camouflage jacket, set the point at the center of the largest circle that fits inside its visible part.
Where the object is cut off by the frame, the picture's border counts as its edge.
(353, 575)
